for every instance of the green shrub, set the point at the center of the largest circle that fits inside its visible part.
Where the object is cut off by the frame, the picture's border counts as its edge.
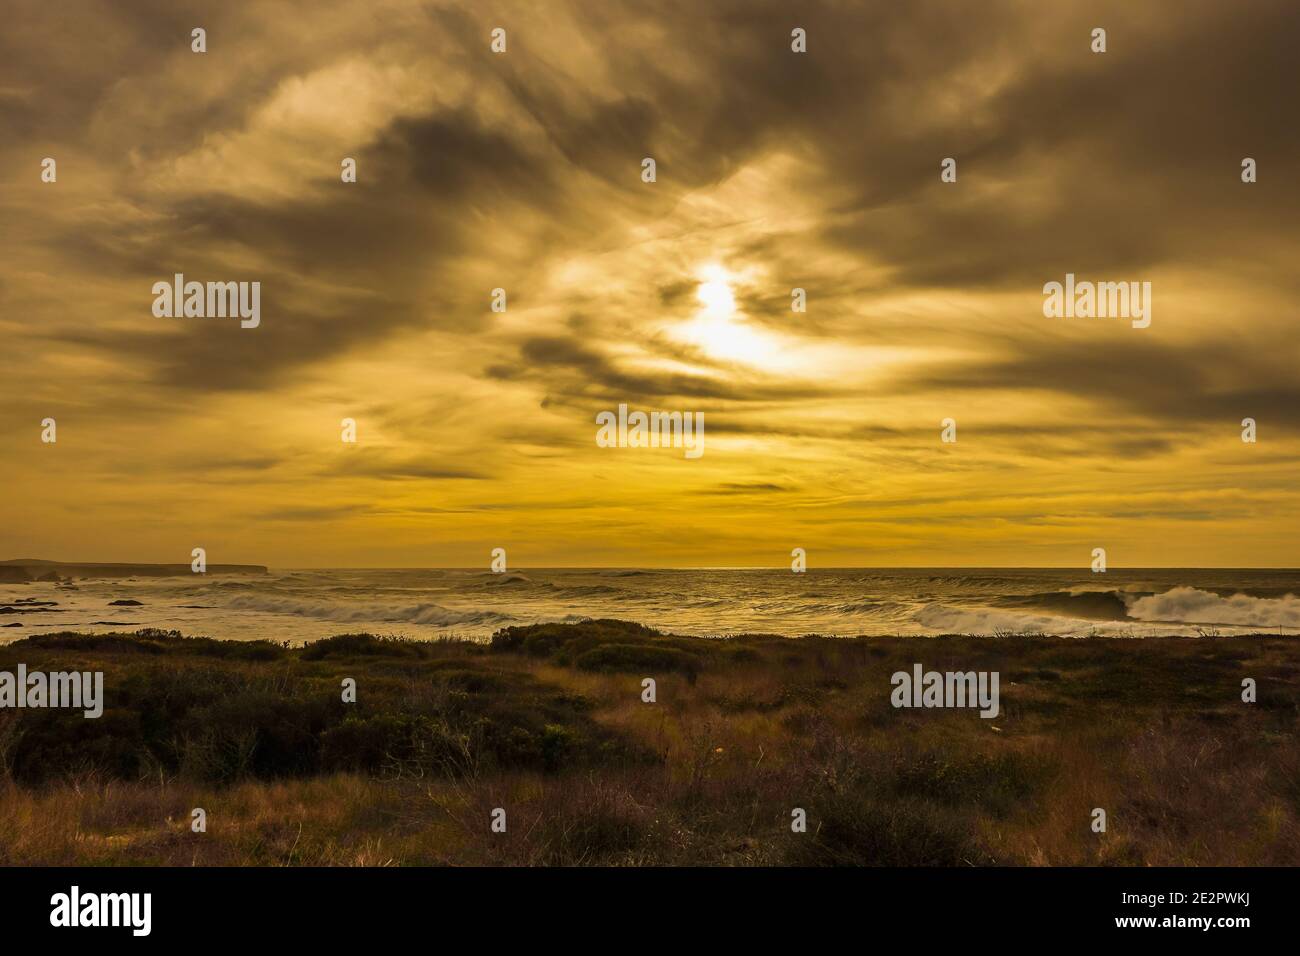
(637, 658)
(856, 829)
(364, 645)
(544, 640)
(154, 641)
(394, 744)
(997, 783)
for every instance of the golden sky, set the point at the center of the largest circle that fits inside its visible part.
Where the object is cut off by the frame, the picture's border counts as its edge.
(775, 170)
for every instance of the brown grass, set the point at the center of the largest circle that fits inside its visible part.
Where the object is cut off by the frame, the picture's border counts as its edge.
(1153, 731)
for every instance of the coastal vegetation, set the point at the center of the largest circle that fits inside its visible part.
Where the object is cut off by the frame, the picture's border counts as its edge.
(550, 723)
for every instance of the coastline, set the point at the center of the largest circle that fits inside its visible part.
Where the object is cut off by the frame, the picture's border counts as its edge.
(309, 605)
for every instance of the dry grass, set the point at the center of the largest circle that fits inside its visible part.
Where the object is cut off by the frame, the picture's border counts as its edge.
(1153, 731)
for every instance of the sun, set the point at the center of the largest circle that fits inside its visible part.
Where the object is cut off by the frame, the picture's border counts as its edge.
(718, 329)
(715, 292)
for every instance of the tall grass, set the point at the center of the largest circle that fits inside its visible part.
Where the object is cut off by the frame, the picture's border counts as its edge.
(549, 724)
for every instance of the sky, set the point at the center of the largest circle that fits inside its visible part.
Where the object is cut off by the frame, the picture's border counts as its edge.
(774, 170)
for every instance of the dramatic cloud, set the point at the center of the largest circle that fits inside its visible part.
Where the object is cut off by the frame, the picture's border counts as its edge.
(775, 171)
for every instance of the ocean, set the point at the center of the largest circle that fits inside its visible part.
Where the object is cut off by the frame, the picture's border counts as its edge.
(304, 605)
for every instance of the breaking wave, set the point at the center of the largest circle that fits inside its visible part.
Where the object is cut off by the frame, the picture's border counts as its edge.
(434, 614)
(989, 620)
(497, 580)
(1088, 605)
(1194, 606)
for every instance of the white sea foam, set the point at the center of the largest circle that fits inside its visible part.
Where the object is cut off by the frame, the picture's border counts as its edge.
(1194, 606)
(434, 614)
(307, 605)
(982, 620)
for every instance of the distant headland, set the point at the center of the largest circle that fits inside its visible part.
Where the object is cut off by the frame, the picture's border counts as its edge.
(22, 570)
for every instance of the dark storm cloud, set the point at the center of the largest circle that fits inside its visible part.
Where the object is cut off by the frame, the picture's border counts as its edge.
(1068, 161)
(1119, 161)
(1205, 383)
(567, 365)
(373, 249)
(730, 488)
(87, 60)
(312, 513)
(1115, 161)
(372, 463)
(581, 370)
(452, 156)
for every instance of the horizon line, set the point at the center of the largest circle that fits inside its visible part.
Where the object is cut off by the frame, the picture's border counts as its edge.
(708, 567)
